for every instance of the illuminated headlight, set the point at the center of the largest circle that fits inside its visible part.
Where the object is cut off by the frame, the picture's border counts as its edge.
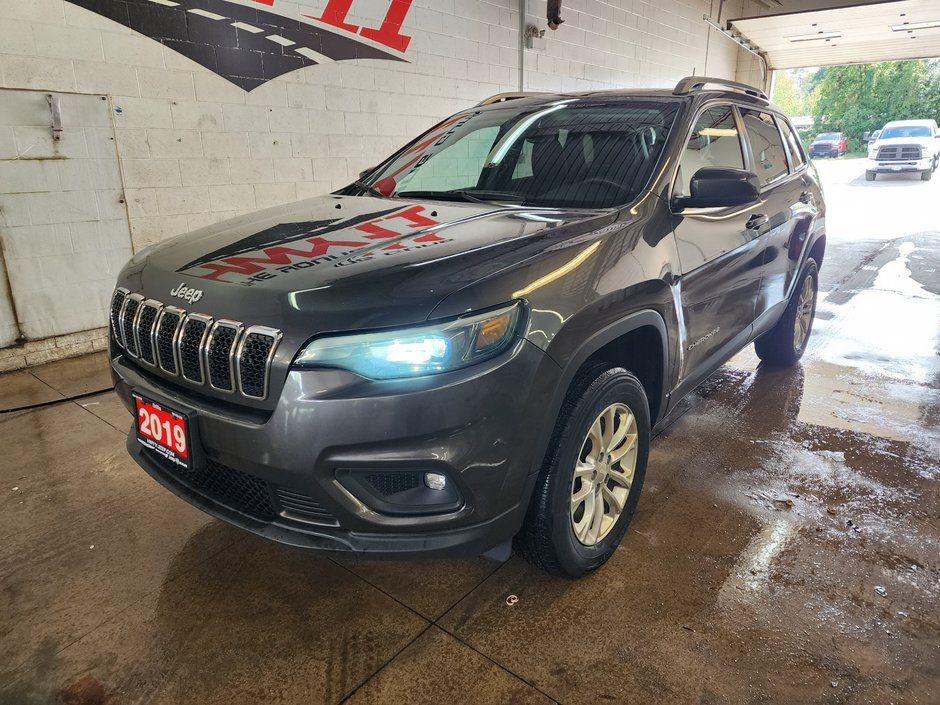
(422, 350)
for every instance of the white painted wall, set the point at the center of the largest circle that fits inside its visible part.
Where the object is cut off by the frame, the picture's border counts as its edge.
(63, 224)
(195, 149)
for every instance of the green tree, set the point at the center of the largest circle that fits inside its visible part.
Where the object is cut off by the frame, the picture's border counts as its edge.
(863, 97)
(793, 91)
(787, 94)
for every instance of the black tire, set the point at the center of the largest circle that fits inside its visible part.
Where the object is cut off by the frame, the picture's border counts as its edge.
(926, 174)
(870, 176)
(547, 538)
(778, 346)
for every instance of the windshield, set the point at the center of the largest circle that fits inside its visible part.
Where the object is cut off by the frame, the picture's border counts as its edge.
(905, 131)
(828, 136)
(562, 155)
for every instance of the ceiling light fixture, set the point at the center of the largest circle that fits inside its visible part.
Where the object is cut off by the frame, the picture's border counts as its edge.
(812, 37)
(915, 25)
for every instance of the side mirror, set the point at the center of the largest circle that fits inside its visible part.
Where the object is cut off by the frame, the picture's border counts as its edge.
(721, 187)
(866, 137)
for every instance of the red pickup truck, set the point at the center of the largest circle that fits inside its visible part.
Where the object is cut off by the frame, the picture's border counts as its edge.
(829, 144)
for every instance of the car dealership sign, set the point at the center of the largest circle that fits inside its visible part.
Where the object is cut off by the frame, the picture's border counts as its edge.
(250, 44)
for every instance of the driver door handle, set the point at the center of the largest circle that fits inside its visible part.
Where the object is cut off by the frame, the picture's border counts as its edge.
(756, 221)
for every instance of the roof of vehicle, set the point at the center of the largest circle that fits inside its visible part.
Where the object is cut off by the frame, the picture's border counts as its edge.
(689, 87)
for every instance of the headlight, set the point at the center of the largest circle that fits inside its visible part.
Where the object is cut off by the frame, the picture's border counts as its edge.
(422, 350)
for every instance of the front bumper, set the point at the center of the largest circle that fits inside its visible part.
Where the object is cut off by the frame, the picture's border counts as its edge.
(284, 476)
(896, 167)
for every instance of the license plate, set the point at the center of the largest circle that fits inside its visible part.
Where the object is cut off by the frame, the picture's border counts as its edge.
(163, 431)
(896, 168)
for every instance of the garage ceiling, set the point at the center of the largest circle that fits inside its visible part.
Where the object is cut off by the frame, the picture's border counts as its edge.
(849, 35)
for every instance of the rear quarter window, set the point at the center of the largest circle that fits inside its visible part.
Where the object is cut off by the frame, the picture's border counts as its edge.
(793, 145)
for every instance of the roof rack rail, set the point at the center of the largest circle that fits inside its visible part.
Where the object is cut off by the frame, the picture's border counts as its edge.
(503, 97)
(697, 83)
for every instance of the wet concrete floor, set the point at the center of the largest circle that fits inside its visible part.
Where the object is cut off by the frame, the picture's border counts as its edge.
(785, 549)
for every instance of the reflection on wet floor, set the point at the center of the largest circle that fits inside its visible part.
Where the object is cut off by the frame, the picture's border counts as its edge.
(784, 551)
(840, 572)
(875, 362)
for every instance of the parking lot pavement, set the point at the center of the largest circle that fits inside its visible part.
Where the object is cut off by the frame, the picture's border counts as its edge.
(784, 551)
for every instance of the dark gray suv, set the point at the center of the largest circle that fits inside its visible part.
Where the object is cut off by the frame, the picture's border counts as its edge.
(474, 341)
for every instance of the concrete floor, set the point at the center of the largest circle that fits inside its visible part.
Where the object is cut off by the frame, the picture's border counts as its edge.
(785, 549)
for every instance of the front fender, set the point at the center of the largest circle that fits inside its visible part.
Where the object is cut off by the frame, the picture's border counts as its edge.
(571, 357)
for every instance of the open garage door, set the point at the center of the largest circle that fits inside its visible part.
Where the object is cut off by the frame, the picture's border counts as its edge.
(887, 31)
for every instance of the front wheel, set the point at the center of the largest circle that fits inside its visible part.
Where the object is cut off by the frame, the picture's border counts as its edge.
(590, 484)
(926, 174)
(870, 176)
(785, 343)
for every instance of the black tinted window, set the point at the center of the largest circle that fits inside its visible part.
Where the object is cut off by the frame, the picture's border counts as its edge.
(770, 160)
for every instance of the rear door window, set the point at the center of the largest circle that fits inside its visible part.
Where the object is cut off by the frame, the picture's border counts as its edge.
(770, 159)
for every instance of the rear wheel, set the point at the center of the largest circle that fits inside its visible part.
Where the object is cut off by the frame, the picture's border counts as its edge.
(785, 343)
(590, 484)
(870, 176)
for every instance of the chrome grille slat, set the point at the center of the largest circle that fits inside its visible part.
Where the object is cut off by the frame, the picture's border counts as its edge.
(129, 312)
(143, 329)
(253, 360)
(191, 344)
(220, 354)
(223, 354)
(117, 303)
(166, 334)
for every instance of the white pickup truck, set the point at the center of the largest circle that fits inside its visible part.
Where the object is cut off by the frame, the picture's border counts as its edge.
(905, 145)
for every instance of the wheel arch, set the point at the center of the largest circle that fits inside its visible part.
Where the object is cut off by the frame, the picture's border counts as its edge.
(818, 250)
(639, 343)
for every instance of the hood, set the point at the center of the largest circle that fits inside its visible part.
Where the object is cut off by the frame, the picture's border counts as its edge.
(891, 141)
(342, 262)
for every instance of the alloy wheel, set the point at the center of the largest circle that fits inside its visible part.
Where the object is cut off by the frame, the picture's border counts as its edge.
(604, 474)
(804, 313)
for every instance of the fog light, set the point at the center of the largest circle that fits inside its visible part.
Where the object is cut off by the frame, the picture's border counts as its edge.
(435, 481)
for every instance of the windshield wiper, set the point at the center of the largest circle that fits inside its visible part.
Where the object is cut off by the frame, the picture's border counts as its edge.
(366, 188)
(474, 195)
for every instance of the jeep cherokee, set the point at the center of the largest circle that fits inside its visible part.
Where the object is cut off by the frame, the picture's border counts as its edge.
(474, 341)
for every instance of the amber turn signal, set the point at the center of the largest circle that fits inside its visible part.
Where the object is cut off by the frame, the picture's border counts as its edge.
(493, 331)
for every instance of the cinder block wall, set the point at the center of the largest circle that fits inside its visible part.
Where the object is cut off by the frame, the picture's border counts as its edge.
(194, 148)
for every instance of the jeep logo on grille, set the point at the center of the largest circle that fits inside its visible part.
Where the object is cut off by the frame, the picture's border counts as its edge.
(187, 294)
